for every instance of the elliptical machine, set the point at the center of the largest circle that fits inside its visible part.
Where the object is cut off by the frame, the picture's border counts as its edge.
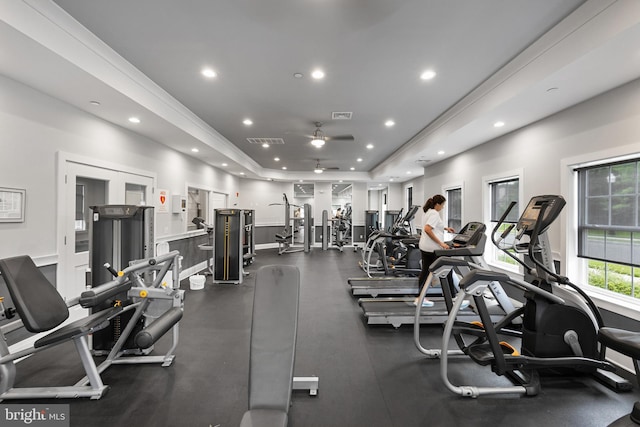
(560, 322)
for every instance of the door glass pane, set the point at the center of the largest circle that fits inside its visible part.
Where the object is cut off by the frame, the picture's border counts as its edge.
(89, 192)
(135, 194)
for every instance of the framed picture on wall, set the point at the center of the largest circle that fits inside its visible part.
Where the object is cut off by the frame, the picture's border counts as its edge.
(12, 203)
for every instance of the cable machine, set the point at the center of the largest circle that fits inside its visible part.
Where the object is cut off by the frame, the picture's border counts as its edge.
(228, 246)
(118, 234)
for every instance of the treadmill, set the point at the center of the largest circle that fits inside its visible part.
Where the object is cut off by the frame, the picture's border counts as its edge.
(468, 245)
(471, 238)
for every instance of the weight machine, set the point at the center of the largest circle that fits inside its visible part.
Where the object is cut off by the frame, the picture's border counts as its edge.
(287, 239)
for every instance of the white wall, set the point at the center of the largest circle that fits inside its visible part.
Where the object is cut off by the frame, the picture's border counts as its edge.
(259, 195)
(359, 202)
(607, 123)
(35, 127)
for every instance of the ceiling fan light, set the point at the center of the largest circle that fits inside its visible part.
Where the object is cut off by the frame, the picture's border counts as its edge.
(317, 142)
(317, 170)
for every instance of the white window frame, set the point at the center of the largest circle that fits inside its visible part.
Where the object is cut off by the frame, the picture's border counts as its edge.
(490, 252)
(576, 268)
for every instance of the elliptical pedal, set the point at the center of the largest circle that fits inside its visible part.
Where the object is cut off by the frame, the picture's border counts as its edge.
(613, 380)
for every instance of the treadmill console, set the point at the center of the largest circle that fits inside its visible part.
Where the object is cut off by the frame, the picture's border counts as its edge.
(531, 214)
(469, 235)
(470, 241)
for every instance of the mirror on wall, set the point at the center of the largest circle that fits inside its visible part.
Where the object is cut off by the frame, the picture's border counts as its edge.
(303, 193)
(341, 211)
(378, 203)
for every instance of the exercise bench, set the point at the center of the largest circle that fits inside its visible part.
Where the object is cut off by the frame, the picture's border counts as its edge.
(272, 349)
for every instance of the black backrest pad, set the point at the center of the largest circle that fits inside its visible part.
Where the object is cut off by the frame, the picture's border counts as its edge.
(273, 337)
(37, 301)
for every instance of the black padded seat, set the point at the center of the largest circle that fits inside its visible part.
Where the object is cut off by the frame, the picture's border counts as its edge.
(282, 237)
(274, 327)
(625, 342)
(264, 418)
(38, 303)
(84, 326)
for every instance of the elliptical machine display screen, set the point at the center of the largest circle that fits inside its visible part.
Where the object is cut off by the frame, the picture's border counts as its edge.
(529, 217)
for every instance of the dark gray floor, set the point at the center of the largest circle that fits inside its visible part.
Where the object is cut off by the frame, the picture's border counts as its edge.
(369, 376)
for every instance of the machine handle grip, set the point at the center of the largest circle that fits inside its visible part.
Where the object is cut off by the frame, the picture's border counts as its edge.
(111, 269)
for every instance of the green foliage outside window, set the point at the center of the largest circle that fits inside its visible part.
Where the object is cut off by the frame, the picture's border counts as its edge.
(619, 278)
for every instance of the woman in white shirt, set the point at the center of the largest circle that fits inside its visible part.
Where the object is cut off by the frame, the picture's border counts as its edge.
(432, 237)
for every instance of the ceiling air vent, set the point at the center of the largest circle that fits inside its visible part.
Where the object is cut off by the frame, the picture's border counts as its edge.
(269, 141)
(341, 115)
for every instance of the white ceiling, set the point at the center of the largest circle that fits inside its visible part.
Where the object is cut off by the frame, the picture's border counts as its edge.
(494, 60)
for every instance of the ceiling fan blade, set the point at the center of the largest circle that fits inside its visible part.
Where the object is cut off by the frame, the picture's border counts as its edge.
(341, 138)
(332, 169)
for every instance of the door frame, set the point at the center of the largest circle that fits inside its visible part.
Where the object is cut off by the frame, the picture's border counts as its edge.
(62, 239)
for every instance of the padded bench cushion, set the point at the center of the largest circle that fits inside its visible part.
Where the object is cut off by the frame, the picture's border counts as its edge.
(37, 301)
(83, 326)
(273, 337)
(264, 418)
(625, 342)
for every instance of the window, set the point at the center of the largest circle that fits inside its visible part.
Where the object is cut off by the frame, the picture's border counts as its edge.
(409, 198)
(454, 208)
(609, 225)
(502, 194)
(502, 191)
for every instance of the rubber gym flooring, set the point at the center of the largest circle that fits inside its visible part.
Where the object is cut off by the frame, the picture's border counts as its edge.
(369, 376)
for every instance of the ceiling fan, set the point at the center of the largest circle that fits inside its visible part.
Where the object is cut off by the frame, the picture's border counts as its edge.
(319, 169)
(318, 138)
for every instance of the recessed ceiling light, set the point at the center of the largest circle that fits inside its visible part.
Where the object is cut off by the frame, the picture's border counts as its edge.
(284, 168)
(428, 75)
(441, 152)
(225, 165)
(408, 172)
(352, 168)
(390, 179)
(94, 103)
(277, 159)
(389, 123)
(247, 122)
(241, 173)
(195, 150)
(297, 75)
(317, 74)
(134, 120)
(498, 124)
(209, 73)
(359, 159)
(265, 145)
(369, 146)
